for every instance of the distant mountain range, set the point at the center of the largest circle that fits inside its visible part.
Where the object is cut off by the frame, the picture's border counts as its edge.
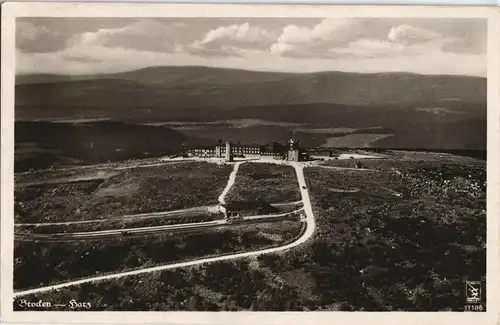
(175, 92)
(406, 110)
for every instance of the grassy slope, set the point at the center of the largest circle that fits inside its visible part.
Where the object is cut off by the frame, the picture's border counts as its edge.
(57, 262)
(142, 190)
(395, 253)
(268, 182)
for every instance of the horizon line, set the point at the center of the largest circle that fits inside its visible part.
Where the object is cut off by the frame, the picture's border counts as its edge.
(249, 70)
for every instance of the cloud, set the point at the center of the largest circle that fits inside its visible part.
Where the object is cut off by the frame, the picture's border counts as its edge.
(410, 34)
(92, 59)
(145, 38)
(29, 32)
(231, 40)
(362, 45)
(319, 40)
(200, 49)
(369, 48)
(36, 38)
(334, 30)
(326, 32)
(144, 35)
(359, 39)
(294, 35)
(243, 36)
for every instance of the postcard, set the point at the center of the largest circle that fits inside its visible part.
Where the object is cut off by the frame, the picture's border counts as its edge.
(250, 164)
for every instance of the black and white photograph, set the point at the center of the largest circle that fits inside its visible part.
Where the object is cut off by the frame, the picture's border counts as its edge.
(249, 163)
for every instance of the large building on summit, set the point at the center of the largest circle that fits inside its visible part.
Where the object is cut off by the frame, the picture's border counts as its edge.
(273, 150)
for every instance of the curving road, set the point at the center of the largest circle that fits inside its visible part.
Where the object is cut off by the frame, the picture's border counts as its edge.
(310, 228)
(193, 226)
(151, 215)
(119, 232)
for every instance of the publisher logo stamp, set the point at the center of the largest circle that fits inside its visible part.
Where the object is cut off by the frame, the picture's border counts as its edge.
(473, 292)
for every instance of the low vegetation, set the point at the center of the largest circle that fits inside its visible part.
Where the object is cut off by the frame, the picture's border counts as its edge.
(377, 252)
(57, 262)
(140, 190)
(267, 182)
(405, 237)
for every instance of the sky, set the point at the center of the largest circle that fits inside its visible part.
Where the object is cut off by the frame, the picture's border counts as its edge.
(455, 46)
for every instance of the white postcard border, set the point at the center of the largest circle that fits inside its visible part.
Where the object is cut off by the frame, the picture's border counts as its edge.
(12, 10)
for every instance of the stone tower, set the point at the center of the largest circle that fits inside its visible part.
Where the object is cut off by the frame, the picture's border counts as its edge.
(293, 153)
(218, 149)
(229, 153)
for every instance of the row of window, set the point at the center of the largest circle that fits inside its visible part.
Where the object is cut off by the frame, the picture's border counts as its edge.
(204, 151)
(247, 150)
(236, 151)
(244, 150)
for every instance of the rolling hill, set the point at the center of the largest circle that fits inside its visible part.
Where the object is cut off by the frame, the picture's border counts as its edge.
(166, 92)
(406, 110)
(40, 145)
